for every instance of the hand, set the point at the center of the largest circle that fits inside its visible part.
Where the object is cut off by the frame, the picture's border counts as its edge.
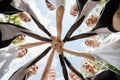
(57, 45)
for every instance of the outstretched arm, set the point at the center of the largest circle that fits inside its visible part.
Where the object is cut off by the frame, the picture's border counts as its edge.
(48, 65)
(30, 45)
(80, 54)
(59, 18)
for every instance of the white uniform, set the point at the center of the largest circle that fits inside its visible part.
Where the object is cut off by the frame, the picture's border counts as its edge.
(6, 57)
(20, 74)
(20, 4)
(9, 31)
(109, 50)
(57, 3)
(23, 5)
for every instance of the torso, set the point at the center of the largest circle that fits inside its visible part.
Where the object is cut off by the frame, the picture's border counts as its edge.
(109, 50)
(6, 58)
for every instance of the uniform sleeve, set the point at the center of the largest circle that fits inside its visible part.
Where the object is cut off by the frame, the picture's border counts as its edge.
(60, 3)
(57, 3)
(3, 50)
(19, 4)
(97, 55)
(12, 50)
(106, 55)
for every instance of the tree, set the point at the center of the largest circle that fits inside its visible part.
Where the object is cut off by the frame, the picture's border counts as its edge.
(13, 19)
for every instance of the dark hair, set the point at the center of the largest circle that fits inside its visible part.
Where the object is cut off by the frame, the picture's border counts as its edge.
(0, 36)
(26, 50)
(47, 1)
(88, 78)
(85, 62)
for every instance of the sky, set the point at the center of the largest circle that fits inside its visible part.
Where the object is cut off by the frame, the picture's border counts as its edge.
(47, 18)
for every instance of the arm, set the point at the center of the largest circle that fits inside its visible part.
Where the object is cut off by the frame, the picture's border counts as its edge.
(30, 45)
(48, 65)
(80, 54)
(59, 18)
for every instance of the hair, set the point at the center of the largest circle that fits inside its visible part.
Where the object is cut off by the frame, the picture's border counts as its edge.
(89, 62)
(21, 35)
(26, 50)
(47, 1)
(0, 36)
(52, 70)
(36, 65)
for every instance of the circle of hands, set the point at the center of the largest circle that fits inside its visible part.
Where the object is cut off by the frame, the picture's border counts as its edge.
(57, 44)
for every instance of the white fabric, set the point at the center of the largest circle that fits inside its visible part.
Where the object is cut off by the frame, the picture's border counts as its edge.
(9, 31)
(57, 3)
(20, 74)
(109, 50)
(6, 57)
(103, 31)
(24, 6)
(87, 8)
(19, 4)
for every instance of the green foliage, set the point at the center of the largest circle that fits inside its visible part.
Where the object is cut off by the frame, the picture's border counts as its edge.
(112, 68)
(17, 41)
(13, 19)
(99, 65)
(102, 2)
(1, 20)
(105, 35)
(97, 9)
